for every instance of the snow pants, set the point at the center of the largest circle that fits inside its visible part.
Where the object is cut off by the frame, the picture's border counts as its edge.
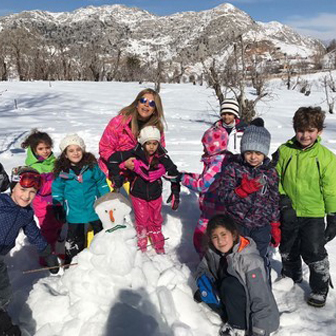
(233, 297)
(199, 239)
(262, 237)
(148, 223)
(304, 237)
(75, 241)
(5, 287)
(50, 226)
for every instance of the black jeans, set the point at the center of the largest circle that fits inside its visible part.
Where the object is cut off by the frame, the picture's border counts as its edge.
(304, 237)
(76, 238)
(232, 295)
(5, 287)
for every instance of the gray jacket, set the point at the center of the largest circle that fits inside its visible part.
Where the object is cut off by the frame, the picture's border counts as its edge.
(247, 266)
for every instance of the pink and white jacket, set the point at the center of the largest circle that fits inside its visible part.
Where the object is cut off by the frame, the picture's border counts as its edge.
(117, 136)
(206, 184)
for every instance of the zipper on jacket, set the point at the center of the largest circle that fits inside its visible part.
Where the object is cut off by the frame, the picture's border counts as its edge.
(319, 172)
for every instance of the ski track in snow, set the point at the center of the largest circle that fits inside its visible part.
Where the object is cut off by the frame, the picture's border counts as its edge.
(157, 300)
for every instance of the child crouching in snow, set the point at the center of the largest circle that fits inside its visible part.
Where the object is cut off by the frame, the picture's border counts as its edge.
(78, 183)
(150, 163)
(233, 270)
(16, 214)
(215, 155)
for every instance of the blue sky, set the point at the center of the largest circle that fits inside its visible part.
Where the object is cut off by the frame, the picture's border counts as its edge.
(311, 17)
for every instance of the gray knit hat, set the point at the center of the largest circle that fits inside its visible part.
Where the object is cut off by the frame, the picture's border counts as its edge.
(72, 139)
(256, 139)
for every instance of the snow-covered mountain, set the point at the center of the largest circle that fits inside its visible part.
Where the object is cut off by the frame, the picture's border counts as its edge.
(146, 35)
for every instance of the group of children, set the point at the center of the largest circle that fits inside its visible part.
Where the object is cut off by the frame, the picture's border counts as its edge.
(247, 202)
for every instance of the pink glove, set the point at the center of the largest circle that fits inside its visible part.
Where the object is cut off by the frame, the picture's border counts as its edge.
(156, 174)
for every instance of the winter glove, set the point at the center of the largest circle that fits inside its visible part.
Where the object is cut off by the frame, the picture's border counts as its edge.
(287, 212)
(50, 259)
(330, 231)
(156, 174)
(276, 234)
(6, 326)
(117, 180)
(208, 295)
(4, 180)
(248, 186)
(174, 197)
(59, 213)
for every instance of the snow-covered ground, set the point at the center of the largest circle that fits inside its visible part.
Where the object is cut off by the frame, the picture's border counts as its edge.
(121, 292)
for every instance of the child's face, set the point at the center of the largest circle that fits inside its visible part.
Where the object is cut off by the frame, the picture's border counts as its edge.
(74, 153)
(253, 158)
(23, 196)
(222, 239)
(151, 147)
(228, 118)
(43, 149)
(307, 137)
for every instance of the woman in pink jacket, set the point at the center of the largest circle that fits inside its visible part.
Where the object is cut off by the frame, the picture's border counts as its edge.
(122, 131)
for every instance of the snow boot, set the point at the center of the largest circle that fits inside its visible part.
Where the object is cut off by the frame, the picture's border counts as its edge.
(6, 326)
(227, 330)
(317, 299)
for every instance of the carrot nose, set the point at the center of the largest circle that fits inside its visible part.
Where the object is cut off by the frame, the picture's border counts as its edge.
(111, 216)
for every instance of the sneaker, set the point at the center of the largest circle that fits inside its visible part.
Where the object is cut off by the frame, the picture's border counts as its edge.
(317, 299)
(227, 330)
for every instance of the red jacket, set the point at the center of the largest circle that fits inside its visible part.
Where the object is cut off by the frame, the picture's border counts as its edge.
(117, 136)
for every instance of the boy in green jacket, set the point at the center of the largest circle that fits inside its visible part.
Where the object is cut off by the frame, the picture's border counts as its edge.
(307, 174)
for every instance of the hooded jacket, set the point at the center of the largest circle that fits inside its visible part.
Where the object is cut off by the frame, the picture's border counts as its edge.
(45, 167)
(257, 209)
(4, 180)
(140, 187)
(117, 136)
(245, 264)
(77, 194)
(14, 218)
(308, 178)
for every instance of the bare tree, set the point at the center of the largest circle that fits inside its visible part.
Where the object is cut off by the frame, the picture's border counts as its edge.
(328, 84)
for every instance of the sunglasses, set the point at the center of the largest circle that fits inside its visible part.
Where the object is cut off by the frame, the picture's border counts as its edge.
(28, 180)
(151, 103)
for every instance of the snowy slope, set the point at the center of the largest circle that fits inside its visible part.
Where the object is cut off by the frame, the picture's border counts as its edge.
(102, 296)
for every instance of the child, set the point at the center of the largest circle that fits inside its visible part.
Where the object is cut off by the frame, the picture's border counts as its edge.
(307, 172)
(78, 183)
(233, 269)
(41, 158)
(4, 180)
(231, 124)
(215, 155)
(16, 214)
(249, 190)
(150, 163)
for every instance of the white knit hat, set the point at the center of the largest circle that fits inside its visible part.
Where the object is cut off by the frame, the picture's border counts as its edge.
(149, 133)
(230, 106)
(72, 139)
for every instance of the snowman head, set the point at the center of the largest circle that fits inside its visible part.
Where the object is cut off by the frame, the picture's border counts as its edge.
(112, 209)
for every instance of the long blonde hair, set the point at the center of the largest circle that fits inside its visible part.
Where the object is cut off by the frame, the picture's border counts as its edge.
(156, 119)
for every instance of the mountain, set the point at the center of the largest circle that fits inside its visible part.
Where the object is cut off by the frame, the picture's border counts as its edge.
(186, 36)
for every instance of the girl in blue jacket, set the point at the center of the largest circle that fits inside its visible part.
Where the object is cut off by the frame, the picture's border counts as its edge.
(78, 183)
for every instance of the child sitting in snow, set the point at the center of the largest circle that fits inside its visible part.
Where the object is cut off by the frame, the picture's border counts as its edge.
(150, 163)
(4, 180)
(215, 155)
(41, 158)
(16, 214)
(307, 172)
(233, 270)
(78, 183)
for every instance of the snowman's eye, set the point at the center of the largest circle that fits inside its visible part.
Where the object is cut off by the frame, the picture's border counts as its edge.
(106, 211)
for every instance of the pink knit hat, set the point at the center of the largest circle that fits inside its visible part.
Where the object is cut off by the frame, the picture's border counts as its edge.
(215, 140)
